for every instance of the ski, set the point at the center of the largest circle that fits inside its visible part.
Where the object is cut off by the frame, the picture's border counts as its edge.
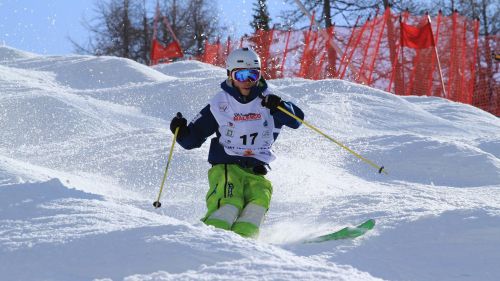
(344, 233)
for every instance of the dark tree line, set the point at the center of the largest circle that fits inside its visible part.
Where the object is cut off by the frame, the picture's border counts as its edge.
(261, 19)
(345, 12)
(124, 28)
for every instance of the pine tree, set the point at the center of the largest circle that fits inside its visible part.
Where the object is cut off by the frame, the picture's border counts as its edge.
(261, 19)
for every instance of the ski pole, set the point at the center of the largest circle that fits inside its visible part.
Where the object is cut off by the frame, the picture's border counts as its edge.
(379, 168)
(157, 203)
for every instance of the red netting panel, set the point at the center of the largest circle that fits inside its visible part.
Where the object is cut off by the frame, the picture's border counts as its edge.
(416, 71)
(281, 52)
(455, 62)
(391, 59)
(421, 75)
(370, 62)
(313, 56)
(487, 87)
(381, 50)
(212, 54)
(371, 54)
(261, 43)
(294, 53)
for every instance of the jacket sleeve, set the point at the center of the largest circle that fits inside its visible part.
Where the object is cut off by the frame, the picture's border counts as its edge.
(201, 127)
(281, 118)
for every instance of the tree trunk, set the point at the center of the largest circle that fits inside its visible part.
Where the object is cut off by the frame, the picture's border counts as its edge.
(145, 35)
(328, 13)
(391, 39)
(332, 54)
(126, 29)
(487, 51)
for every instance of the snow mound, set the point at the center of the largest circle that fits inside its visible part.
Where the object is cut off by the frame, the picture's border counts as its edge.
(439, 236)
(418, 139)
(84, 145)
(8, 54)
(50, 223)
(190, 69)
(91, 72)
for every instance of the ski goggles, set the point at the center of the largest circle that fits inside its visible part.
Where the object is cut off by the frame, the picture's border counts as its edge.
(246, 74)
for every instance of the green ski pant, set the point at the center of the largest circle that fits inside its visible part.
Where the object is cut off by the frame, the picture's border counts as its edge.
(237, 199)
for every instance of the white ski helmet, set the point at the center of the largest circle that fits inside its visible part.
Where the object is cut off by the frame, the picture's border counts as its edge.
(242, 58)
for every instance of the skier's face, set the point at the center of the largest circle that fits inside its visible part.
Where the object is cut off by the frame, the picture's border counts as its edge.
(244, 87)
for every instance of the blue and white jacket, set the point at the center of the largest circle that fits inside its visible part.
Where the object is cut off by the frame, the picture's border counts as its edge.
(205, 125)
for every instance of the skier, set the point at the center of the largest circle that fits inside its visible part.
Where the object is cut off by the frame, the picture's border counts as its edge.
(245, 118)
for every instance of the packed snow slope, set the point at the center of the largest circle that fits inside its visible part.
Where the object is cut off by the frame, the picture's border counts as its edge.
(84, 142)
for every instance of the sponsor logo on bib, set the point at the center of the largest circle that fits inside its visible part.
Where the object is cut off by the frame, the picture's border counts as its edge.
(223, 106)
(247, 117)
(248, 152)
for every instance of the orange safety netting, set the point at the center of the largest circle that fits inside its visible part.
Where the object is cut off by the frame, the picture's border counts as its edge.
(164, 53)
(161, 52)
(487, 87)
(371, 54)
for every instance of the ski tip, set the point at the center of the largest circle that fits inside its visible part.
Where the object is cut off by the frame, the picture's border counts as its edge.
(368, 224)
(345, 233)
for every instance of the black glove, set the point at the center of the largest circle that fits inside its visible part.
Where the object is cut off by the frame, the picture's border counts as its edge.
(181, 123)
(271, 101)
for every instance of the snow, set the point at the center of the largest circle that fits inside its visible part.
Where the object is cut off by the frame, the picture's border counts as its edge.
(84, 145)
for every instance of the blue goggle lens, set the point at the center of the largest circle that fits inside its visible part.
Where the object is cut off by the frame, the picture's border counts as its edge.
(243, 75)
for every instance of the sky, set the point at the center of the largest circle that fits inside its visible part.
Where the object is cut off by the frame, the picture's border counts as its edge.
(45, 26)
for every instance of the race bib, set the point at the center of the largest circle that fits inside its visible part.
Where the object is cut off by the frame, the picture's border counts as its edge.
(245, 129)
